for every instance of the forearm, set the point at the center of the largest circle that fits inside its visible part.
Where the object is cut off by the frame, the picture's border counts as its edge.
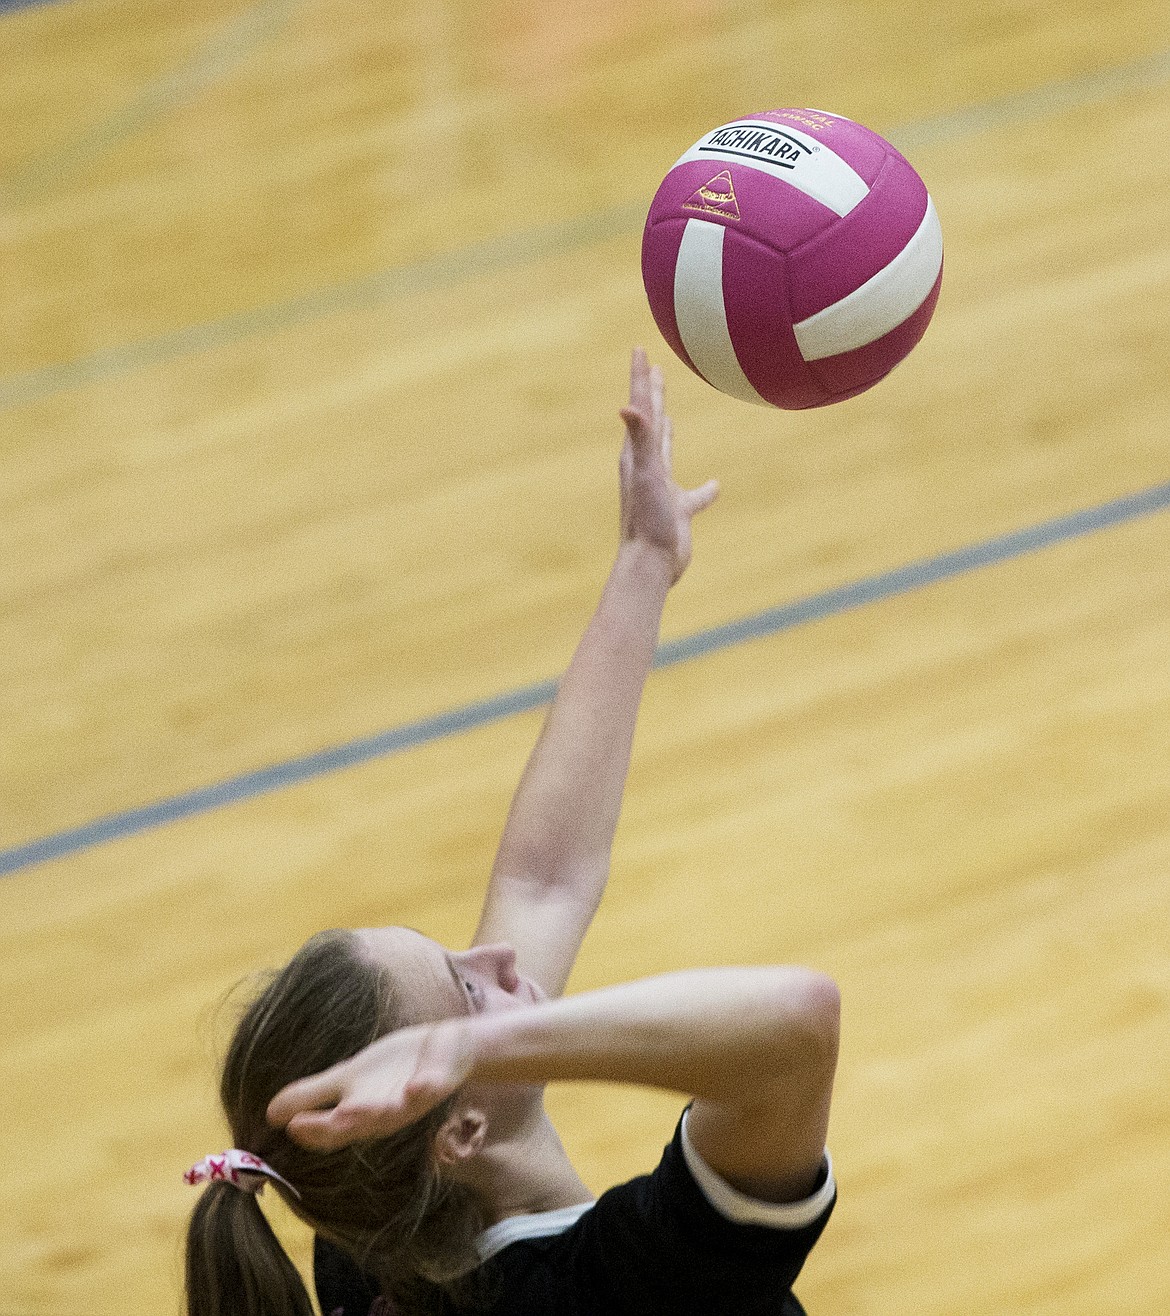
(565, 810)
(729, 1036)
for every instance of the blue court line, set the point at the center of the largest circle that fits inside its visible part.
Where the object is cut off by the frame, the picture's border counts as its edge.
(222, 53)
(774, 621)
(1037, 102)
(529, 245)
(480, 259)
(6, 6)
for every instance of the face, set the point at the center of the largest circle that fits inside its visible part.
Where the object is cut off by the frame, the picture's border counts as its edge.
(435, 983)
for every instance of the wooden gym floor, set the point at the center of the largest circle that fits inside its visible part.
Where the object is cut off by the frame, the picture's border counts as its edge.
(315, 322)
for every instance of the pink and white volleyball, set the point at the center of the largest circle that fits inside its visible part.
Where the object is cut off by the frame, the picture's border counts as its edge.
(792, 258)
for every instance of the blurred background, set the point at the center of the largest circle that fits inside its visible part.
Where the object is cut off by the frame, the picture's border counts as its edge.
(314, 323)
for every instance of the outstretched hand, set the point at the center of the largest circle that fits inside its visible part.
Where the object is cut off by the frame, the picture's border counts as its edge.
(390, 1084)
(654, 510)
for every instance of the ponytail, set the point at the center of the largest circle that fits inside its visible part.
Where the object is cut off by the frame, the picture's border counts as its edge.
(235, 1263)
(383, 1202)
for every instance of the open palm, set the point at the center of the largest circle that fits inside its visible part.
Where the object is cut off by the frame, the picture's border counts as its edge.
(654, 510)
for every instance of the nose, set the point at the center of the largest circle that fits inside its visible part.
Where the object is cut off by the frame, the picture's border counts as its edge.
(509, 979)
(502, 959)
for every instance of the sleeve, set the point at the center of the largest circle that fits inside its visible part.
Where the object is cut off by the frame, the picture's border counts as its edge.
(683, 1240)
(744, 1210)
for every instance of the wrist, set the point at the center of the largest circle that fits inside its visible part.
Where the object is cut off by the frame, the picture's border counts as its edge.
(652, 562)
(484, 1036)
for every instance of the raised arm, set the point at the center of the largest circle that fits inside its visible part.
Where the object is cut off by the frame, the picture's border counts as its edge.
(756, 1047)
(553, 859)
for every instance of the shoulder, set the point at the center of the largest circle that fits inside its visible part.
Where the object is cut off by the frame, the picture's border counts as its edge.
(683, 1202)
(678, 1239)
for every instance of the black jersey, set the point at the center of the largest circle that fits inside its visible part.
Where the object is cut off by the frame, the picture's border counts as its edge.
(679, 1241)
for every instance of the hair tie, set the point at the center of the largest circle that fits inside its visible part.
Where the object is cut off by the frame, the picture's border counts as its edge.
(240, 1168)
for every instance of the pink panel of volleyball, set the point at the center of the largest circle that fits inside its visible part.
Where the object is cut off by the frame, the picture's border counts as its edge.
(792, 258)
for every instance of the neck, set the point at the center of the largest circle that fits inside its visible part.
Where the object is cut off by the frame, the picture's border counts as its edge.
(526, 1170)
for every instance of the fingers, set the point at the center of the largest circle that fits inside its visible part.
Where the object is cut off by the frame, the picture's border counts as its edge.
(635, 422)
(327, 1130)
(645, 451)
(698, 500)
(306, 1094)
(650, 432)
(626, 461)
(646, 391)
(318, 1130)
(657, 403)
(645, 415)
(640, 381)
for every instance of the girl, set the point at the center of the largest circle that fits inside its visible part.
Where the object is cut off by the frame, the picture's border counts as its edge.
(418, 1147)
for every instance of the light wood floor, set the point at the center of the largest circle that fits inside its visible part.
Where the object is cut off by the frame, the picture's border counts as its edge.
(314, 325)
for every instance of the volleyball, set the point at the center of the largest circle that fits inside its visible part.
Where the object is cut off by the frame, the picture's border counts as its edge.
(792, 258)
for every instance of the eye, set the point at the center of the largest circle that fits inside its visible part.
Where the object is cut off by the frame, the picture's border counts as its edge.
(472, 992)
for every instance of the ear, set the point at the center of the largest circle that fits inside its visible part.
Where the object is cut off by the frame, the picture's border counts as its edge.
(461, 1137)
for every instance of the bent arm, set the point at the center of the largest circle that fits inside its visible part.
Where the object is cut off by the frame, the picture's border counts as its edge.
(755, 1047)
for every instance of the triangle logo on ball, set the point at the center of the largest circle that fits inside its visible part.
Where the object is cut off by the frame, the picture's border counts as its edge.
(716, 197)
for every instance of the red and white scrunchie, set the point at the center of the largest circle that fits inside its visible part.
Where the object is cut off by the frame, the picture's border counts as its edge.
(241, 1168)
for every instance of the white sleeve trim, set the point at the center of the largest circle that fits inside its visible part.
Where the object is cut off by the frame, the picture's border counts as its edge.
(543, 1224)
(744, 1210)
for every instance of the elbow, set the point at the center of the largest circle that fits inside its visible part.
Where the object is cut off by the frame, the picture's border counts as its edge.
(811, 1009)
(824, 1001)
